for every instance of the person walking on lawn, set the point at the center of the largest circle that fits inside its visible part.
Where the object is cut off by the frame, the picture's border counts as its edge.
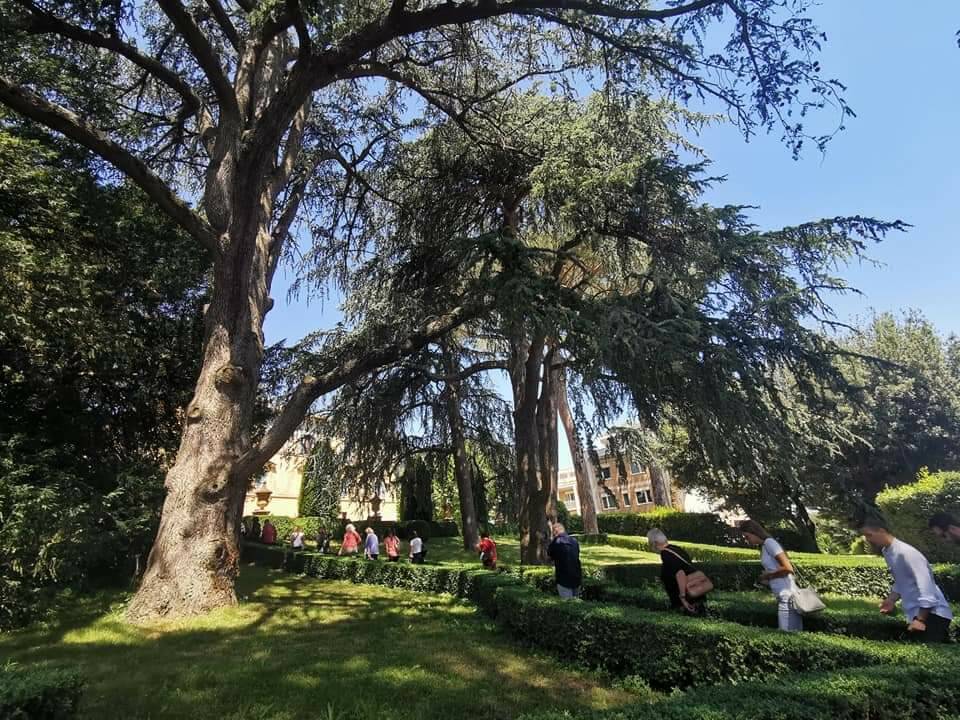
(488, 551)
(675, 564)
(392, 544)
(777, 573)
(269, 534)
(565, 553)
(351, 541)
(924, 604)
(371, 546)
(417, 553)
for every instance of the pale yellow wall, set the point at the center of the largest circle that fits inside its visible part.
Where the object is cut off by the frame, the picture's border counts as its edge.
(284, 477)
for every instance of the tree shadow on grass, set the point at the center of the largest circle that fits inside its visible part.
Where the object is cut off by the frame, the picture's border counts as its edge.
(299, 647)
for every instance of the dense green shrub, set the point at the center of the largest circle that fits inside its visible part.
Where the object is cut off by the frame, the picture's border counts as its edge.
(694, 527)
(928, 691)
(671, 651)
(713, 553)
(38, 693)
(908, 508)
(759, 610)
(857, 581)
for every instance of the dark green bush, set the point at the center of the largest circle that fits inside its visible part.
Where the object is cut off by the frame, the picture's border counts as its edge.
(908, 509)
(929, 691)
(37, 693)
(854, 580)
(757, 610)
(694, 527)
(671, 651)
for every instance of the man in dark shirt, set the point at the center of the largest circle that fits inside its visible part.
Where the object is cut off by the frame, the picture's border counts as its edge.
(565, 553)
(674, 568)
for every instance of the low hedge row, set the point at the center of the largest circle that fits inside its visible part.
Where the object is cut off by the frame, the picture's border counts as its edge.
(39, 693)
(756, 610)
(694, 527)
(311, 525)
(855, 581)
(929, 691)
(675, 651)
(713, 553)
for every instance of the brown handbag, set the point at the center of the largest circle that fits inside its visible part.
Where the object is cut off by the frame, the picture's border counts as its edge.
(698, 584)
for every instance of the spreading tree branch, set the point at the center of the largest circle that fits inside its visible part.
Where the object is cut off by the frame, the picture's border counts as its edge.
(205, 55)
(31, 105)
(311, 388)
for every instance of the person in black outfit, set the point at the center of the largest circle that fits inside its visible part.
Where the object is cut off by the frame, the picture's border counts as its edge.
(565, 553)
(675, 564)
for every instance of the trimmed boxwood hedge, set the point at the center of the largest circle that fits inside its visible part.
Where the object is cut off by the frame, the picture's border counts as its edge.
(39, 693)
(852, 580)
(930, 691)
(694, 527)
(757, 610)
(666, 650)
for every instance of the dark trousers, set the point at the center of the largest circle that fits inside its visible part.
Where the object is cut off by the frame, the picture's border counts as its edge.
(938, 630)
(417, 558)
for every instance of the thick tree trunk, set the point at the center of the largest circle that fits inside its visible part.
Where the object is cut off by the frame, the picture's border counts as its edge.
(195, 558)
(804, 523)
(526, 358)
(549, 435)
(462, 469)
(582, 467)
(660, 484)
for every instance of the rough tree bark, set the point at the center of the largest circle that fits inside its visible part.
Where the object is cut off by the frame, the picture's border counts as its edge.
(462, 468)
(526, 361)
(582, 467)
(660, 483)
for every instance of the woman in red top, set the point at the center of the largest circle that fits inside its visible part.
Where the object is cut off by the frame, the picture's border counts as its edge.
(392, 543)
(351, 541)
(488, 551)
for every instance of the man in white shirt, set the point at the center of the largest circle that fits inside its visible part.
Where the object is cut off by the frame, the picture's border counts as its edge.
(416, 549)
(924, 604)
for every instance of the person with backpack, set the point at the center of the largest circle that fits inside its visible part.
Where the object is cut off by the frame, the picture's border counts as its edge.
(777, 573)
(676, 571)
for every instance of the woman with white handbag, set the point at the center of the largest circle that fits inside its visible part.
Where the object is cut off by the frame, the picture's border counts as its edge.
(777, 573)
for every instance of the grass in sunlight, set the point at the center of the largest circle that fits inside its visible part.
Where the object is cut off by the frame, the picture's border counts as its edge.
(298, 648)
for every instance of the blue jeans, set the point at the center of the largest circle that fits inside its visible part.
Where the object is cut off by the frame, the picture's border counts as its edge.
(567, 593)
(788, 619)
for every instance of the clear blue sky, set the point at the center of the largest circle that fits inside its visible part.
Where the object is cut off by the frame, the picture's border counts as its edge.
(898, 159)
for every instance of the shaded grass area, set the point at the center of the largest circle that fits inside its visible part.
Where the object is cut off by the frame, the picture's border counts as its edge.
(301, 648)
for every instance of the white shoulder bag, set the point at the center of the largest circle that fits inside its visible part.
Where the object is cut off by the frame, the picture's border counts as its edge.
(805, 599)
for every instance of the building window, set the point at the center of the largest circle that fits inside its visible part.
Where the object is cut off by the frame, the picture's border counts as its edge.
(569, 499)
(636, 468)
(644, 497)
(605, 473)
(608, 501)
(626, 499)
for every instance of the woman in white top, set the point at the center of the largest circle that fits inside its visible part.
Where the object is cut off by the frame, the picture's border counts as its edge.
(777, 573)
(297, 538)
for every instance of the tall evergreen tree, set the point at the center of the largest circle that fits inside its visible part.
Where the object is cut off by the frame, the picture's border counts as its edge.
(279, 115)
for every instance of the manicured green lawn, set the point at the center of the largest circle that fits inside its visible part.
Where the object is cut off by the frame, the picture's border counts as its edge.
(448, 551)
(297, 648)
